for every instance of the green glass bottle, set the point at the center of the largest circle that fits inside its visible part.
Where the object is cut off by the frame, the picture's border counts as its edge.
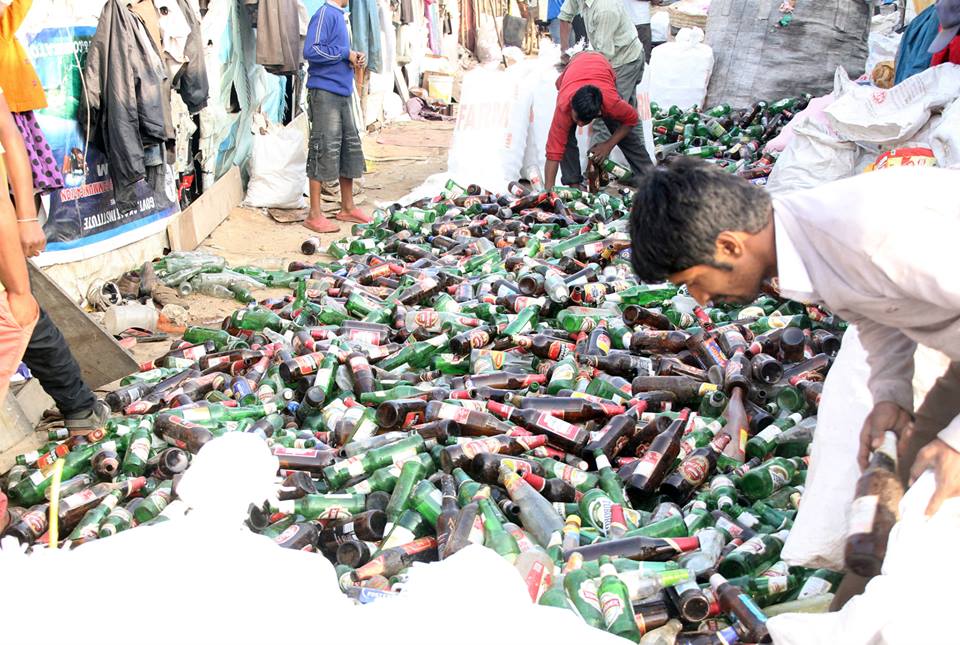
(494, 535)
(582, 591)
(770, 476)
(369, 461)
(315, 505)
(29, 490)
(615, 603)
(753, 556)
(410, 473)
(764, 442)
(154, 504)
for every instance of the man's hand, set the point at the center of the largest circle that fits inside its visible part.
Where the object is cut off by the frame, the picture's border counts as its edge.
(885, 415)
(945, 463)
(358, 59)
(32, 238)
(23, 308)
(601, 151)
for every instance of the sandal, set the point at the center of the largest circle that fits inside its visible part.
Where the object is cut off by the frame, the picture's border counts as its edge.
(356, 216)
(321, 224)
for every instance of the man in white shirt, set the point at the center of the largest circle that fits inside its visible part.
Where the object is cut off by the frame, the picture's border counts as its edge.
(639, 12)
(877, 249)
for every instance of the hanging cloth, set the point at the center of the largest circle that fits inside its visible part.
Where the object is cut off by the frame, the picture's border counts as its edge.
(365, 28)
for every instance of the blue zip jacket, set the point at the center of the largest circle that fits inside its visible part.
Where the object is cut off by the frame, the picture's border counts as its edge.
(327, 52)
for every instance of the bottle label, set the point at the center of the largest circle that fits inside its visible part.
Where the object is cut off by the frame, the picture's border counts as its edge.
(557, 350)
(814, 587)
(728, 527)
(453, 413)
(363, 336)
(754, 545)
(611, 605)
(694, 469)
(863, 513)
(473, 448)
(588, 593)
(79, 499)
(769, 433)
(37, 477)
(779, 475)
(572, 475)
(603, 343)
(289, 533)
(353, 466)
(648, 464)
(201, 413)
(401, 457)
(427, 318)
(777, 584)
(537, 580)
(558, 426)
(281, 451)
(359, 364)
(564, 372)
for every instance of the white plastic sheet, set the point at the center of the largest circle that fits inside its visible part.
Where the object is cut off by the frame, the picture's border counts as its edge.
(204, 578)
(911, 601)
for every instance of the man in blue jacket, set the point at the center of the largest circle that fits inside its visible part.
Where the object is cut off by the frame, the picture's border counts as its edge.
(334, 151)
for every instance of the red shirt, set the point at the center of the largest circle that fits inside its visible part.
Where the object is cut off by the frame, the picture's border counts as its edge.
(588, 68)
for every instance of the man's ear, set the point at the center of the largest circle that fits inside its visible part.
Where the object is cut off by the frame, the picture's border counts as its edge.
(730, 247)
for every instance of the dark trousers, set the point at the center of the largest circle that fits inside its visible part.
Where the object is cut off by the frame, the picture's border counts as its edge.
(49, 359)
(631, 146)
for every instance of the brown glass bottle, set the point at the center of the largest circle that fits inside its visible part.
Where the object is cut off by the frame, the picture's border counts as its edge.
(686, 389)
(558, 432)
(641, 478)
(460, 455)
(874, 510)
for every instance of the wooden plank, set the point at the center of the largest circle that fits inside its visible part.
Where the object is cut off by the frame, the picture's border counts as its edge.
(101, 358)
(192, 226)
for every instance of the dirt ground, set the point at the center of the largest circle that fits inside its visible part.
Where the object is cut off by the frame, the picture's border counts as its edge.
(399, 158)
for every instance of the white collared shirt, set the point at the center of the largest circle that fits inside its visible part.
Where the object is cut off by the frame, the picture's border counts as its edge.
(792, 276)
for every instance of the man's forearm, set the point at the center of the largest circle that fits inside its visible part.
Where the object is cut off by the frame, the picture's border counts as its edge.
(565, 29)
(619, 134)
(550, 173)
(13, 266)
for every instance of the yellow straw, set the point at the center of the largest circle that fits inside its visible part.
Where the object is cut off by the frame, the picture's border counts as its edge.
(52, 533)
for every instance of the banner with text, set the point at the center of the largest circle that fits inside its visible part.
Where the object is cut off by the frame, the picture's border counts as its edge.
(82, 218)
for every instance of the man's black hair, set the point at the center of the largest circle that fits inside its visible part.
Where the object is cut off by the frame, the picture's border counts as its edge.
(680, 208)
(587, 103)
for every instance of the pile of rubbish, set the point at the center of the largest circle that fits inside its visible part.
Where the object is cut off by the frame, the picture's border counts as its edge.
(480, 369)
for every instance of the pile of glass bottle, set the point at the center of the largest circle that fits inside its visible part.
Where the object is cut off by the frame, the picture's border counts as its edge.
(481, 369)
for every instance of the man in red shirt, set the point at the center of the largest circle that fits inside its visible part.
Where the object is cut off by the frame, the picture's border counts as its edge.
(588, 90)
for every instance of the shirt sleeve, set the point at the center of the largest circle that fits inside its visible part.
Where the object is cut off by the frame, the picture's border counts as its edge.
(620, 111)
(890, 356)
(320, 46)
(557, 137)
(569, 10)
(951, 434)
(605, 24)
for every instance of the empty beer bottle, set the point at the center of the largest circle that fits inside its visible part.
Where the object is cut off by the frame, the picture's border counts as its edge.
(874, 510)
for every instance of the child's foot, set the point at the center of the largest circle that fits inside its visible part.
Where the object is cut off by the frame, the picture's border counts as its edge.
(320, 224)
(356, 216)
